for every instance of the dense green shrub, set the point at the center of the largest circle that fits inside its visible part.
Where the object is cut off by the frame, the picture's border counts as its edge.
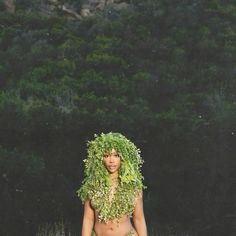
(161, 73)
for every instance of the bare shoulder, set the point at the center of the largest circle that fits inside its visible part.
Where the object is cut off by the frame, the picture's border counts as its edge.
(139, 200)
(87, 206)
(139, 195)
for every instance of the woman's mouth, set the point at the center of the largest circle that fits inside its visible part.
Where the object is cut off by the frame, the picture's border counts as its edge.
(112, 167)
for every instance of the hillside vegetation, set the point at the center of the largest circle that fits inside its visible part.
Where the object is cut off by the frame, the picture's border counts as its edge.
(160, 72)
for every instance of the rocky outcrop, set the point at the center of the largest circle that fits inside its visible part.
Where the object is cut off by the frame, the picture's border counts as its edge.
(71, 12)
(88, 8)
(9, 6)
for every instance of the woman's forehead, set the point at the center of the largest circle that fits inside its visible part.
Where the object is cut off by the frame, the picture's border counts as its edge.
(112, 151)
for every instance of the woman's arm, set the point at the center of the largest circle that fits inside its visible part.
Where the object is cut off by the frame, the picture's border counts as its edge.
(138, 217)
(88, 219)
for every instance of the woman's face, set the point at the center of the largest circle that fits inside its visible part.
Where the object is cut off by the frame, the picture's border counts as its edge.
(112, 161)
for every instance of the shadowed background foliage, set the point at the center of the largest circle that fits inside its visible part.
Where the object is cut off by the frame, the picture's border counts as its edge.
(161, 73)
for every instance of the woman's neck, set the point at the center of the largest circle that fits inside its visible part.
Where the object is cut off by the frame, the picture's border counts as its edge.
(113, 178)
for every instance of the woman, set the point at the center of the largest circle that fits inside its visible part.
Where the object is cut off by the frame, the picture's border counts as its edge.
(112, 188)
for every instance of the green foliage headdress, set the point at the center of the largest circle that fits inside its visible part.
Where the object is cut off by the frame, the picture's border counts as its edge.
(95, 186)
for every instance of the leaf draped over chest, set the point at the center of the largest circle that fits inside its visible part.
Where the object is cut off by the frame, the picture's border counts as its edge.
(121, 204)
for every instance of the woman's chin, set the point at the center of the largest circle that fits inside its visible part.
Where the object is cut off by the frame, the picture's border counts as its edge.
(112, 171)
